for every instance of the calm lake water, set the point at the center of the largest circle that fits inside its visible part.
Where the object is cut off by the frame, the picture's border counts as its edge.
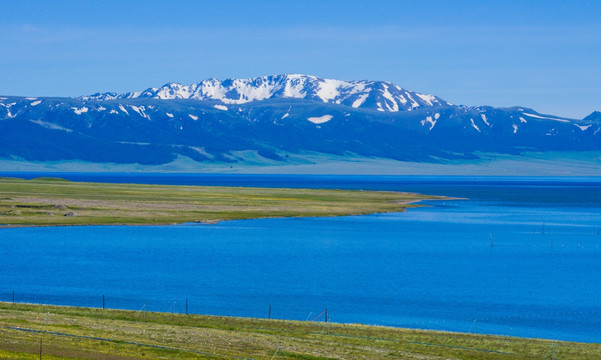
(521, 256)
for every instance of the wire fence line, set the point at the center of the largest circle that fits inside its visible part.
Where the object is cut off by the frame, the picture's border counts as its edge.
(232, 307)
(179, 306)
(507, 325)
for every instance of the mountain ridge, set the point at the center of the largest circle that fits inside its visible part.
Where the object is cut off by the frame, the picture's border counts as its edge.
(378, 95)
(260, 121)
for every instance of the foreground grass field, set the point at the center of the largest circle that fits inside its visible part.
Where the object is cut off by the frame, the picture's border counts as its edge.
(83, 333)
(47, 201)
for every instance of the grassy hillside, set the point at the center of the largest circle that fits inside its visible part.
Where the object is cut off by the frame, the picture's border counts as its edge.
(81, 333)
(48, 201)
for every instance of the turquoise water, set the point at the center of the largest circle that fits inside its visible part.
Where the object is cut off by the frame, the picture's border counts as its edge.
(518, 258)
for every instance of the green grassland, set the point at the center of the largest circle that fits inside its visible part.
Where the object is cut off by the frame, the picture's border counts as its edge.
(83, 333)
(48, 201)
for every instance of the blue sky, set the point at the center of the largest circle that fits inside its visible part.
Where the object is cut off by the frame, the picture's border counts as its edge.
(541, 54)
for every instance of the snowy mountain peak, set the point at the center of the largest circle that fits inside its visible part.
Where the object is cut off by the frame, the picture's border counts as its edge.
(375, 95)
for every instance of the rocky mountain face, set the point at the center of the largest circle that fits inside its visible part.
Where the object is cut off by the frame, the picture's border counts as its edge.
(273, 117)
(376, 95)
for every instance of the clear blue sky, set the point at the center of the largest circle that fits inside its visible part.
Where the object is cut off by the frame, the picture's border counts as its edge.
(541, 54)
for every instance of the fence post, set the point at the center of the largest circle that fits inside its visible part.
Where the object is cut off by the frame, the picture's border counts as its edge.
(186, 306)
(102, 301)
(13, 296)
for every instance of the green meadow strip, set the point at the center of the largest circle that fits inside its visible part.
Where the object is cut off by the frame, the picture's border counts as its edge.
(85, 333)
(49, 201)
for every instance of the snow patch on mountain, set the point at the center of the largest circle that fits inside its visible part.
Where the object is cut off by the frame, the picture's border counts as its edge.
(220, 107)
(173, 91)
(169, 114)
(474, 125)
(140, 110)
(50, 126)
(328, 89)
(388, 96)
(402, 99)
(101, 96)
(428, 99)
(546, 117)
(35, 103)
(429, 120)
(292, 89)
(414, 104)
(122, 108)
(583, 127)
(320, 119)
(484, 119)
(7, 107)
(193, 117)
(360, 100)
(79, 111)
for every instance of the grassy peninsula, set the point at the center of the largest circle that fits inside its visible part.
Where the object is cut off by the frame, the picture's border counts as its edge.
(83, 333)
(51, 201)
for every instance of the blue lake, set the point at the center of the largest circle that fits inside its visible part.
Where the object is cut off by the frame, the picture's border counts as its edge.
(521, 256)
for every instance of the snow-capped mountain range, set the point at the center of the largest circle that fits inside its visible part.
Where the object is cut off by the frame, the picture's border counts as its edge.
(377, 95)
(276, 119)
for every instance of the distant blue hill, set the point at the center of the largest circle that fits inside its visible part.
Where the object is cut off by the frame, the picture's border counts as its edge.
(274, 117)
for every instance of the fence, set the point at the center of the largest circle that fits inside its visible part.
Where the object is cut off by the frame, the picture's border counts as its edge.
(514, 324)
(43, 338)
(220, 306)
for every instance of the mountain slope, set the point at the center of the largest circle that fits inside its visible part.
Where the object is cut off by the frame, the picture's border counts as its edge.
(274, 117)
